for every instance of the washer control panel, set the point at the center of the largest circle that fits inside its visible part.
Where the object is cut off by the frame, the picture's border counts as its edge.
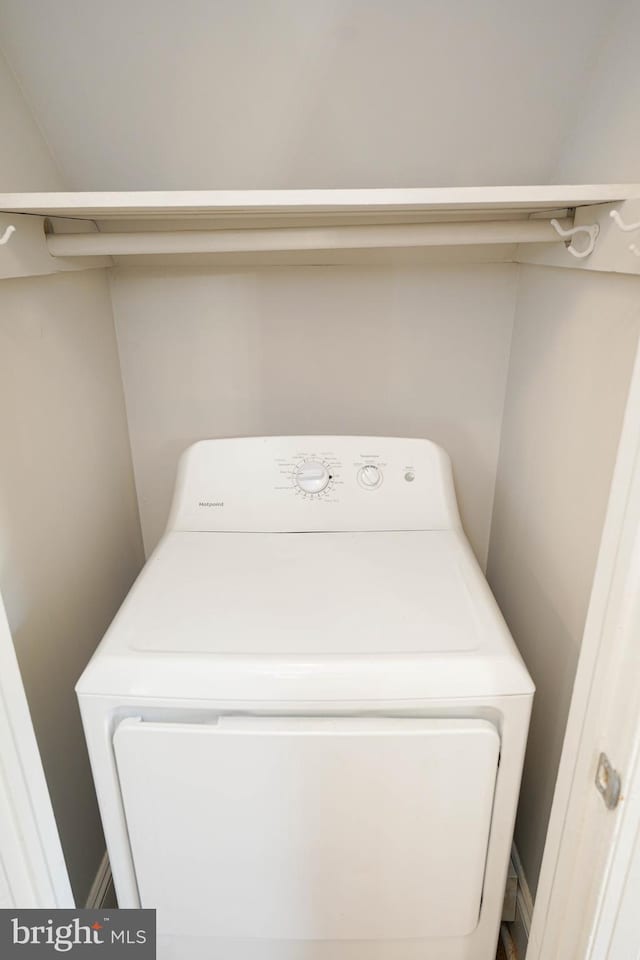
(320, 475)
(314, 484)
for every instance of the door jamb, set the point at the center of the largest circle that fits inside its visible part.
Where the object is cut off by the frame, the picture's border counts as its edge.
(606, 691)
(31, 859)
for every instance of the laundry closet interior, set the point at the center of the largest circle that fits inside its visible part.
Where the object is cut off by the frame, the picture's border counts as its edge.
(335, 252)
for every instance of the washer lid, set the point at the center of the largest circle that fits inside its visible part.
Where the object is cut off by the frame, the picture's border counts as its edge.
(318, 594)
(302, 617)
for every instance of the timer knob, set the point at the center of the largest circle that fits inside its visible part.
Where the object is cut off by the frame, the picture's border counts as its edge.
(312, 476)
(370, 476)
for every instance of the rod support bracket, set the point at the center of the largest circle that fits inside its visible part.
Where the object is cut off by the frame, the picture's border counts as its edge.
(589, 230)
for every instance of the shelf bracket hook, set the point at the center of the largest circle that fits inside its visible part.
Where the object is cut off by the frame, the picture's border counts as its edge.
(627, 227)
(591, 231)
(6, 236)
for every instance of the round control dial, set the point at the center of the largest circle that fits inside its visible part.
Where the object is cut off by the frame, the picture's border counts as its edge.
(370, 476)
(312, 476)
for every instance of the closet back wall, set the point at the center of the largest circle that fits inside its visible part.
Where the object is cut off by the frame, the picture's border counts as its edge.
(404, 351)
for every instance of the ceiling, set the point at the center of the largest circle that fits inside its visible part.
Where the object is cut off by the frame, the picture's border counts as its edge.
(154, 94)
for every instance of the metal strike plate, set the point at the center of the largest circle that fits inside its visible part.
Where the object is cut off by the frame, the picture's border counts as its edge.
(608, 782)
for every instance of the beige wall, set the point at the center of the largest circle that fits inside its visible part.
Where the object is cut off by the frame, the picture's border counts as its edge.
(69, 531)
(405, 351)
(601, 142)
(294, 93)
(25, 160)
(574, 343)
(70, 542)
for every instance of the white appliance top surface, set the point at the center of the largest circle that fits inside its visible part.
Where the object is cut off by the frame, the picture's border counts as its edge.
(310, 568)
(319, 616)
(322, 593)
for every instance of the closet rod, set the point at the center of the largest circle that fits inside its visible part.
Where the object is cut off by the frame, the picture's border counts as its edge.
(287, 239)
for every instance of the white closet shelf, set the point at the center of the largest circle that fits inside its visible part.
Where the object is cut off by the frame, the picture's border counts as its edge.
(300, 226)
(370, 204)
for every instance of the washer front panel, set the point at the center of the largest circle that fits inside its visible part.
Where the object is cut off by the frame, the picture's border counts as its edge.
(283, 829)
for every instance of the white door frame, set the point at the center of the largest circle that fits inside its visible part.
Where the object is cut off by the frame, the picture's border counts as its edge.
(617, 932)
(32, 868)
(584, 848)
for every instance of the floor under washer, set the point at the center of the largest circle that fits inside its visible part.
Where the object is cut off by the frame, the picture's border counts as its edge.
(307, 722)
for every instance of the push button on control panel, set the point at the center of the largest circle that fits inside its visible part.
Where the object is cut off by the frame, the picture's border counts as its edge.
(370, 476)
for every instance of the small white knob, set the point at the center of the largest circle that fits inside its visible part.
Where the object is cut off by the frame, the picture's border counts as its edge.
(370, 476)
(312, 476)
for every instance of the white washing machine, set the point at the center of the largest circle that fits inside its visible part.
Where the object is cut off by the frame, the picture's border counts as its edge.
(307, 722)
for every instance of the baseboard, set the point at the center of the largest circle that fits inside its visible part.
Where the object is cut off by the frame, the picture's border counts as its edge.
(102, 888)
(521, 926)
